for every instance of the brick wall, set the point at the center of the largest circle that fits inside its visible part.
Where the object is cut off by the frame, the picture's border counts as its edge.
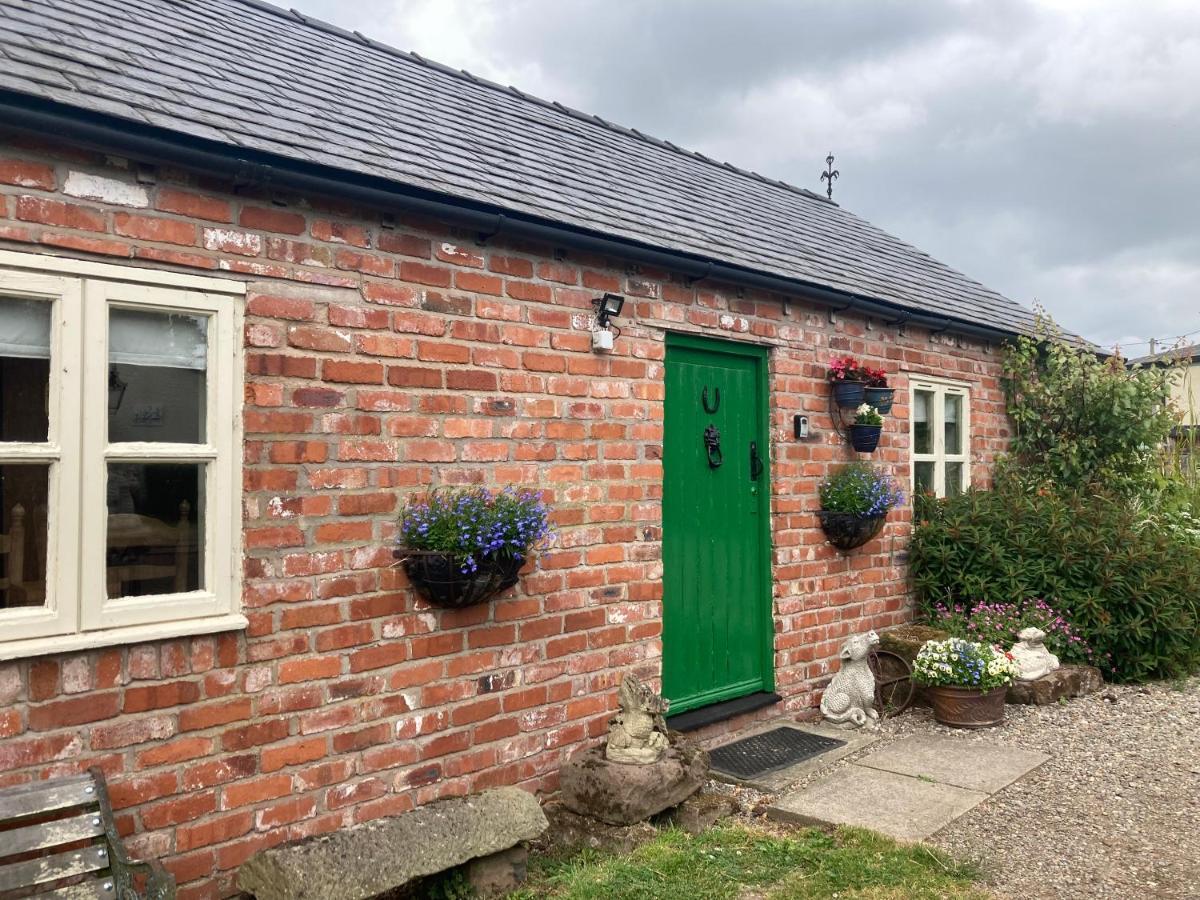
(385, 356)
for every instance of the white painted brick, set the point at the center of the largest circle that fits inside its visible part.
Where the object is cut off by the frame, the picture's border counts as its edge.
(106, 190)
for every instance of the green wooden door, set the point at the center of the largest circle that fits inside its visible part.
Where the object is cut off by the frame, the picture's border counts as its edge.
(717, 628)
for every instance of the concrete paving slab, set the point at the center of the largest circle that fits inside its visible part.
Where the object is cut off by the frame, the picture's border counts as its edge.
(781, 779)
(907, 809)
(974, 765)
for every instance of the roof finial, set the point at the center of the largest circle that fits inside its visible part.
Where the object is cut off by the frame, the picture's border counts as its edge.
(829, 175)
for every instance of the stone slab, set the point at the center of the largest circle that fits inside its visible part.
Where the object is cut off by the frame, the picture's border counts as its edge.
(904, 808)
(378, 856)
(970, 764)
(781, 779)
(1063, 682)
(625, 793)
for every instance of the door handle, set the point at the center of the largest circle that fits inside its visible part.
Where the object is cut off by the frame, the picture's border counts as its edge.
(756, 466)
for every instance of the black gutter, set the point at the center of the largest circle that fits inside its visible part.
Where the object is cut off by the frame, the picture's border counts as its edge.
(111, 134)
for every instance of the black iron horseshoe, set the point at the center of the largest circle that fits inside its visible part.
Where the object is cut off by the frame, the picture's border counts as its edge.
(716, 403)
(712, 446)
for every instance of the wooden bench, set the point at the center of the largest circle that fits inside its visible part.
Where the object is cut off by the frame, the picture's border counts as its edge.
(58, 842)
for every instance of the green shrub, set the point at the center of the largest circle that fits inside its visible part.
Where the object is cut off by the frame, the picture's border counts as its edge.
(1130, 586)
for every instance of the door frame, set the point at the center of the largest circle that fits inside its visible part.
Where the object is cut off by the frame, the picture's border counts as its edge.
(761, 354)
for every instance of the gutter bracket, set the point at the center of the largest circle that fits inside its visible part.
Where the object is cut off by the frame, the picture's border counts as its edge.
(833, 312)
(484, 236)
(693, 280)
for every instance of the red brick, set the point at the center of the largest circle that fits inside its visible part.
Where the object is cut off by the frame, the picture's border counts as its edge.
(90, 707)
(253, 735)
(323, 339)
(277, 220)
(404, 244)
(378, 657)
(340, 233)
(198, 206)
(186, 808)
(149, 228)
(213, 830)
(271, 306)
(43, 679)
(210, 715)
(126, 792)
(88, 245)
(352, 372)
(312, 668)
(245, 793)
(27, 174)
(511, 265)
(422, 273)
(175, 752)
(274, 758)
(159, 696)
(63, 215)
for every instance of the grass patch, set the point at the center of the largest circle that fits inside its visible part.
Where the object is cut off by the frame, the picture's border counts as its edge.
(735, 861)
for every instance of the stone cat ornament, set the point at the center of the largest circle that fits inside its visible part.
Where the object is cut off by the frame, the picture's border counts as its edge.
(849, 700)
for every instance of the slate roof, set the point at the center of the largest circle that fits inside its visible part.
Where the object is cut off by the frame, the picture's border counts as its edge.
(1190, 352)
(250, 75)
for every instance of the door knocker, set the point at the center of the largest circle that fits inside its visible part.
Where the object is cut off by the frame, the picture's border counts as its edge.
(711, 410)
(712, 446)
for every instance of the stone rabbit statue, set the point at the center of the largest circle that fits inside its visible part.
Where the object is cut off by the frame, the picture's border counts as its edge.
(849, 700)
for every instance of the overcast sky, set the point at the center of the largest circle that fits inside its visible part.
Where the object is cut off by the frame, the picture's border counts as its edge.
(1049, 149)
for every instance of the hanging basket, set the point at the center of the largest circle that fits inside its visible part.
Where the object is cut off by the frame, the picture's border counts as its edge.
(881, 398)
(848, 394)
(440, 579)
(865, 438)
(849, 530)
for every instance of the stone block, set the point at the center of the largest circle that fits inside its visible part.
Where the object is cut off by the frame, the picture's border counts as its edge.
(625, 793)
(499, 874)
(379, 856)
(699, 812)
(1065, 681)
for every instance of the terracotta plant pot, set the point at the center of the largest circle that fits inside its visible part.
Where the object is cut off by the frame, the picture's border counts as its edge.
(963, 707)
(848, 394)
(849, 530)
(881, 398)
(865, 438)
(439, 580)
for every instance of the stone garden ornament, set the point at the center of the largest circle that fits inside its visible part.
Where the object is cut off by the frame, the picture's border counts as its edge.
(849, 700)
(1031, 655)
(638, 733)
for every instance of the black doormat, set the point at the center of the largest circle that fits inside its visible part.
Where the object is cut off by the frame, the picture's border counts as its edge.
(762, 753)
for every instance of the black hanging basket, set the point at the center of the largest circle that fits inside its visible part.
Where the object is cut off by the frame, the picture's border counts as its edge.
(881, 398)
(865, 438)
(440, 579)
(848, 393)
(849, 530)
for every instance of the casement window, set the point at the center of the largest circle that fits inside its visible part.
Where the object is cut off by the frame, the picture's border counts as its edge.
(119, 454)
(940, 421)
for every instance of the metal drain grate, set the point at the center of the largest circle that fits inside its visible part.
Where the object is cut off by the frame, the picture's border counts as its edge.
(762, 753)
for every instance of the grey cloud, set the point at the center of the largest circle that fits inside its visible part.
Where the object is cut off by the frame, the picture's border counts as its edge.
(1046, 150)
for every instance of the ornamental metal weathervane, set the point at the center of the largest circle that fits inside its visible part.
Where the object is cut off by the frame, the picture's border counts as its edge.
(829, 175)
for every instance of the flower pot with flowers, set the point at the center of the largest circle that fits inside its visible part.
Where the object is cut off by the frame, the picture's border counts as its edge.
(965, 681)
(866, 428)
(461, 547)
(855, 501)
(848, 380)
(877, 393)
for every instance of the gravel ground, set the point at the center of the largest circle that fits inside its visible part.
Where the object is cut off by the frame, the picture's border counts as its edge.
(1115, 813)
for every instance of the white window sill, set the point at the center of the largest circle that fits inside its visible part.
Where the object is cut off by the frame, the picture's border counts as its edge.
(110, 637)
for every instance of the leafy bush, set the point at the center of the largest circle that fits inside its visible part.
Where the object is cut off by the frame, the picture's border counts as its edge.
(1080, 420)
(861, 489)
(1131, 589)
(475, 523)
(998, 623)
(958, 663)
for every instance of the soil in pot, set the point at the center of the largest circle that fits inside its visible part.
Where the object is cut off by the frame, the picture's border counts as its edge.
(848, 393)
(881, 398)
(963, 707)
(865, 438)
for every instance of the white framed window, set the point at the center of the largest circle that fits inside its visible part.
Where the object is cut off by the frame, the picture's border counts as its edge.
(120, 454)
(940, 436)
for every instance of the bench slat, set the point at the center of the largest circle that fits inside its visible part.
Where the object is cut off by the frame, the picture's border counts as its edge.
(48, 796)
(104, 889)
(18, 789)
(45, 835)
(52, 868)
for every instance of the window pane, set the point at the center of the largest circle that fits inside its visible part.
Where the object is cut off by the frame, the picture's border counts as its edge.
(953, 418)
(954, 477)
(24, 369)
(24, 493)
(155, 540)
(922, 433)
(923, 478)
(156, 376)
